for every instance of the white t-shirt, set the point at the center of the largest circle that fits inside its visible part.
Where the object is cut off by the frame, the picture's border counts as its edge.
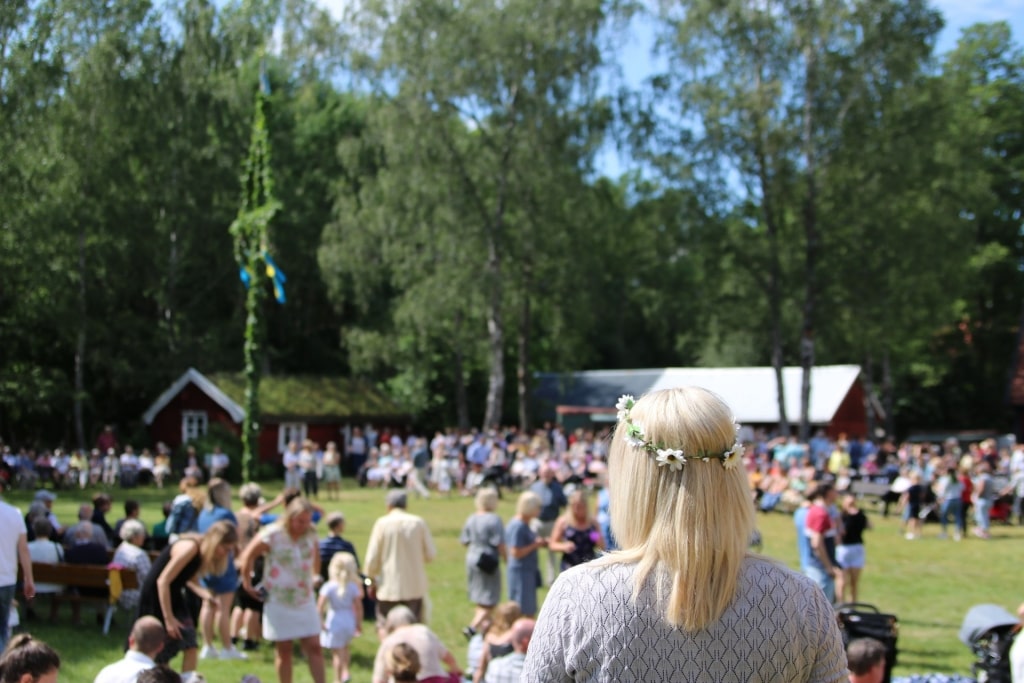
(126, 670)
(45, 550)
(12, 527)
(1017, 660)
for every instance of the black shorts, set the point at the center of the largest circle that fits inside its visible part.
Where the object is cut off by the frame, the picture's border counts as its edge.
(188, 641)
(242, 598)
(246, 601)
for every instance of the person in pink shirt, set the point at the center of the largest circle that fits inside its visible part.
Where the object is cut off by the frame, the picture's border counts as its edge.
(822, 567)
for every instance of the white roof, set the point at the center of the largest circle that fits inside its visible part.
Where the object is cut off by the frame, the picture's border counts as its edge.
(193, 376)
(752, 393)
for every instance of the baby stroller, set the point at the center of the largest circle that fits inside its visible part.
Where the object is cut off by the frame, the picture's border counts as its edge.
(989, 631)
(860, 620)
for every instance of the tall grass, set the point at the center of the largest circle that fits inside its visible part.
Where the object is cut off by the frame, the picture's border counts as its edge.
(928, 583)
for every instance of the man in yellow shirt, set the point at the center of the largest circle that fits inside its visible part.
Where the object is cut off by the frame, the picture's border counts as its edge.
(396, 558)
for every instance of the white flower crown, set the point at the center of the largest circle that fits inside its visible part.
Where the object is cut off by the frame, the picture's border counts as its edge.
(666, 456)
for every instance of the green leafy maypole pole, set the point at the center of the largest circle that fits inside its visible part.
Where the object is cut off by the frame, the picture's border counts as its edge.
(249, 231)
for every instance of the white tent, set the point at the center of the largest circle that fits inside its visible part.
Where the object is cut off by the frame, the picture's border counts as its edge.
(751, 392)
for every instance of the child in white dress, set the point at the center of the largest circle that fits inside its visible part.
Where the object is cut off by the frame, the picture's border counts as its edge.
(341, 606)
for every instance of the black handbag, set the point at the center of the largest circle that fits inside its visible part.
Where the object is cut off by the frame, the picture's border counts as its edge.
(487, 562)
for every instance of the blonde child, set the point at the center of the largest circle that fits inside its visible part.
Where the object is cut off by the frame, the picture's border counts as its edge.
(341, 607)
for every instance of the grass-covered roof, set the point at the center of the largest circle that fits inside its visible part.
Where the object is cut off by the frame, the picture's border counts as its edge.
(311, 397)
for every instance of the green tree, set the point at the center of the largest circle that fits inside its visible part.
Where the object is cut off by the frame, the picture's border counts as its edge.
(770, 85)
(479, 107)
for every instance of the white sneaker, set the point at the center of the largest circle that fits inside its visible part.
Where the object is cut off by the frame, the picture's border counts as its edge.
(208, 652)
(956, 536)
(232, 653)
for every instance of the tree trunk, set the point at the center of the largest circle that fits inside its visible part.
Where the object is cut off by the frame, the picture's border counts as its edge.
(170, 332)
(774, 266)
(495, 341)
(812, 239)
(868, 381)
(80, 344)
(887, 394)
(495, 323)
(807, 365)
(523, 362)
(461, 400)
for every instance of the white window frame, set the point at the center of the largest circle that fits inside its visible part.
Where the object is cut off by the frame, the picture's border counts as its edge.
(291, 431)
(194, 424)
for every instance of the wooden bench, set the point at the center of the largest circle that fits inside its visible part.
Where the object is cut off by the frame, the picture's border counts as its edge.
(872, 489)
(74, 576)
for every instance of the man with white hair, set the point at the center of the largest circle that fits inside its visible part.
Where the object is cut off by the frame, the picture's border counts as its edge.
(85, 515)
(396, 558)
(401, 626)
(47, 498)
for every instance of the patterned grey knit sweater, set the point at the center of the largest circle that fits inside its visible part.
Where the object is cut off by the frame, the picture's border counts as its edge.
(780, 628)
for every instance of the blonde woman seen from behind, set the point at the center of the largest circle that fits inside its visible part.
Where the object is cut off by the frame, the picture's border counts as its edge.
(522, 544)
(850, 550)
(682, 600)
(483, 534)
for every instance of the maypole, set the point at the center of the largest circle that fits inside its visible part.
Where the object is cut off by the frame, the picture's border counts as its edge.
(249, 231)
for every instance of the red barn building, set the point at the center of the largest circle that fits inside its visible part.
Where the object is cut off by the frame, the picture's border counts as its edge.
(291, 408)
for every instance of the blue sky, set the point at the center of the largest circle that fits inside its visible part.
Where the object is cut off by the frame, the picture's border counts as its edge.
(958, 13)
(962, 13)
(636, 62)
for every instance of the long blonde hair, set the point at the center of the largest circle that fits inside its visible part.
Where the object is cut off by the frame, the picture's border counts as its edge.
(343, 570)
(693, 524)
(222, 533)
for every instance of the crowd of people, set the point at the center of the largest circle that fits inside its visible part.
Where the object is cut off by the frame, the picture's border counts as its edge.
(218, 577)
(941, 482)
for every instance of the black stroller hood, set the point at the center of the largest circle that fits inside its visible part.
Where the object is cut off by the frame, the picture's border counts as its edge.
(980, 620)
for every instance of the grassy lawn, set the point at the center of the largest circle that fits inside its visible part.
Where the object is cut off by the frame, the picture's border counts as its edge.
(928, 583)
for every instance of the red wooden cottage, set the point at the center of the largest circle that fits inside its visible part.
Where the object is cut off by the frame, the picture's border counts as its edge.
(293, 408)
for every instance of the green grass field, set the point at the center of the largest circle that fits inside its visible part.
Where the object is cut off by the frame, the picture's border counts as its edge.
(928, 583)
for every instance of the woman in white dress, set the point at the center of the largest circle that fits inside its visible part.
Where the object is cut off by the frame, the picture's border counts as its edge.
(682, 600)
(291, 567)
